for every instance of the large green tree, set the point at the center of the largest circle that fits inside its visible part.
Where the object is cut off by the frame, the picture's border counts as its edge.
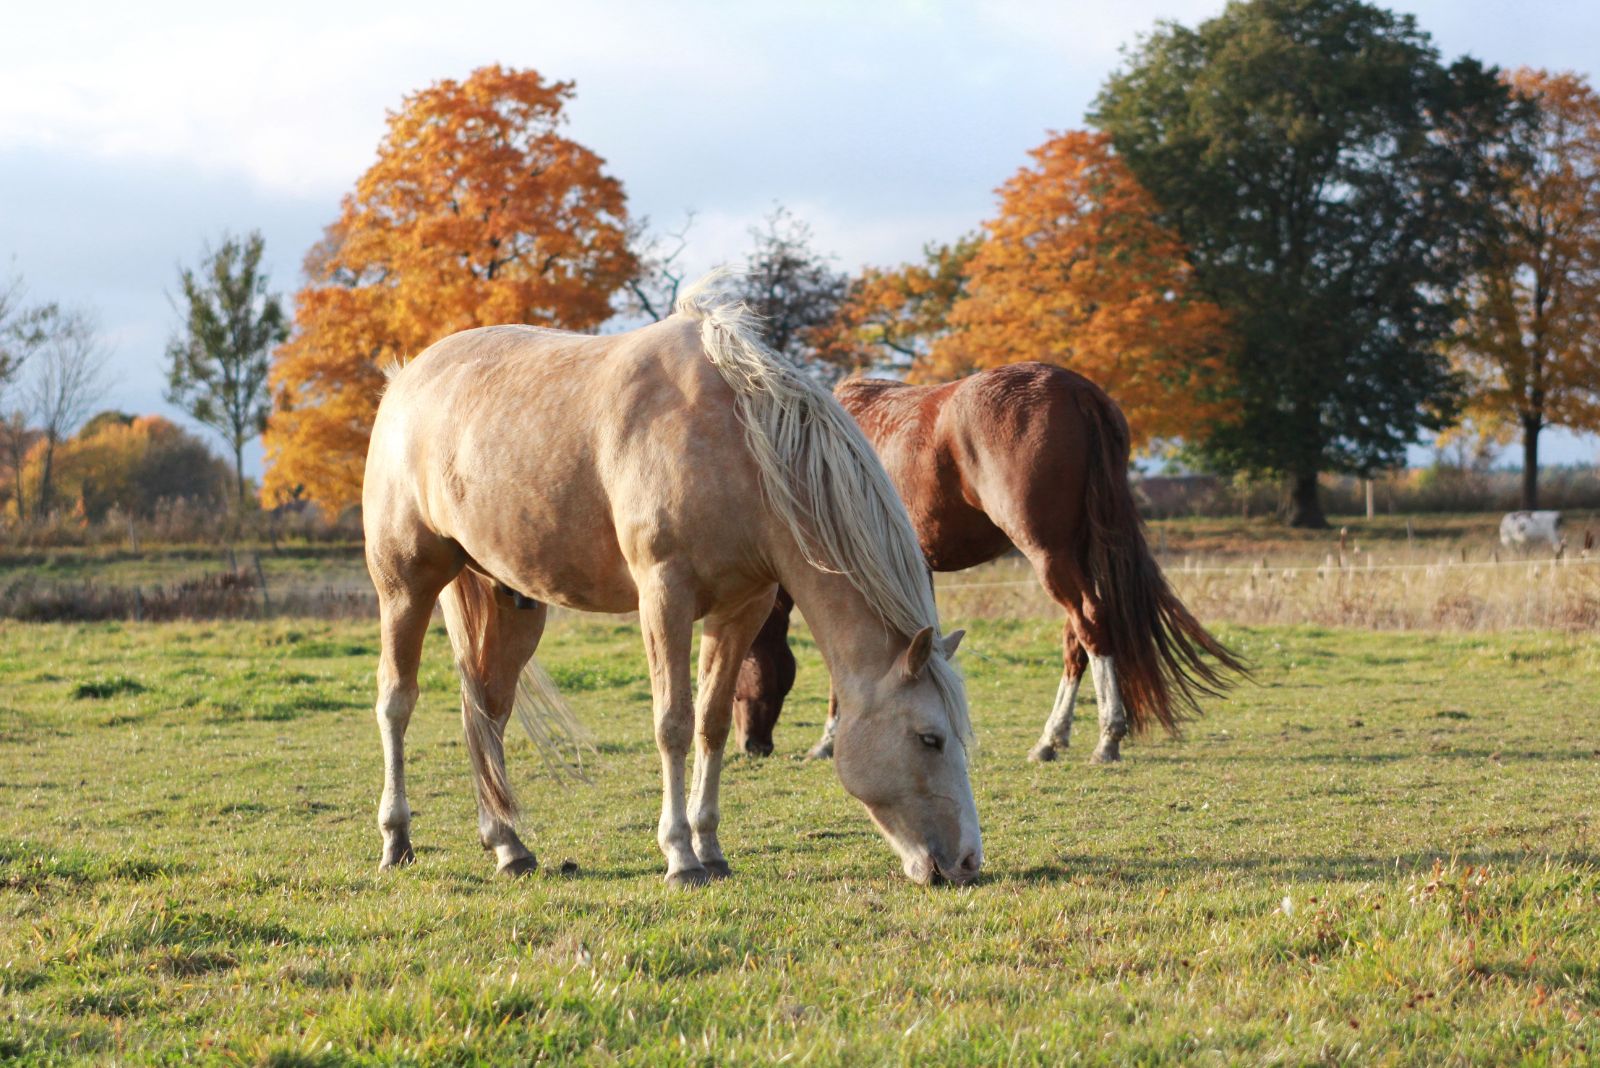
(1327, 173)
(217, 362)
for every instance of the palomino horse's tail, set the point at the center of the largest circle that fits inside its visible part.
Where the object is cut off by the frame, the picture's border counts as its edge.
(469, 612)
(1159, 649)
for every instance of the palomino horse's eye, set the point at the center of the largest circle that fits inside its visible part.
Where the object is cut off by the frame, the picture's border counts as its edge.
(932, 741)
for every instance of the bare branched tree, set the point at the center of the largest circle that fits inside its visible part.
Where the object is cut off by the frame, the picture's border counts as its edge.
(653, 290)
(65, 383)
(23, 331)
(794, 288)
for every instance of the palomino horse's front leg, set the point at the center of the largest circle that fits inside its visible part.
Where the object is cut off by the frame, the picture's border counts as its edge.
(666, 618)
(724, 641)
(1113, 720)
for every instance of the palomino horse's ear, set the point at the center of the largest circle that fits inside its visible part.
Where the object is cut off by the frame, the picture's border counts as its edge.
(950, 643)
(915, 658)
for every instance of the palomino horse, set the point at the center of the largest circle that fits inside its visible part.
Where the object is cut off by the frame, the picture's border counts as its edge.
(681, 470)
(1035, 457)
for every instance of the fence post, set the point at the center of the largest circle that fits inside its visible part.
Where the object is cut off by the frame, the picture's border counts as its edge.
(261, 576)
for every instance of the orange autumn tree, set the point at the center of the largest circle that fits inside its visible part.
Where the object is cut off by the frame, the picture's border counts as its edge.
(1530, 339)
(1076, 271)
(889, 319)
(477, 211)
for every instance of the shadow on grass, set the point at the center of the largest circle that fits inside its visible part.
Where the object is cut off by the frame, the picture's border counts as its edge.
(1148, 870)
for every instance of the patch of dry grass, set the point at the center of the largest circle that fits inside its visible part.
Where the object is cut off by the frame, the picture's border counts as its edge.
(1445, 573)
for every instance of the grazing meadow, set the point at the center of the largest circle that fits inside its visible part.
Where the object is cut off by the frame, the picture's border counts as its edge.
(1381, 850)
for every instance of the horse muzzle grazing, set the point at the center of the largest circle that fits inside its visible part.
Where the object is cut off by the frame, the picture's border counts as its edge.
(901, 750)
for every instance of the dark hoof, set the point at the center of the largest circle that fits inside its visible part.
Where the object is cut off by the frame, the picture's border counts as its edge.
(758, 749)
(718, 869)
(569, 868)
(821, 751)
(688, 877)
(397, 856)
(515, 869)
(1106, 756)
(1042, 754)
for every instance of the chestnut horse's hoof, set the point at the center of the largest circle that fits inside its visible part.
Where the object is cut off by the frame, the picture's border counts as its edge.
(1042, 753)
(520, 866)
(718, 869)
(397, 855)
(688, 877)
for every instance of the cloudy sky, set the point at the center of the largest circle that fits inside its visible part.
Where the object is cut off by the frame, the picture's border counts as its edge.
(133, 134)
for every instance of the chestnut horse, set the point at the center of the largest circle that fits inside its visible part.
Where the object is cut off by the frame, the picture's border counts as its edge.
(681, 471)
(1034, 457)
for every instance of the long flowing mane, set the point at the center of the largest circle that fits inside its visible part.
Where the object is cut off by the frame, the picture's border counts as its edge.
(822, 476)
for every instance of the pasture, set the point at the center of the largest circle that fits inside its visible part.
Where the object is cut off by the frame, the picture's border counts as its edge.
(1383, 851)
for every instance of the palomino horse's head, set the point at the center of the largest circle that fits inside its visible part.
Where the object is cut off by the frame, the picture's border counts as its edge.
(899, 751)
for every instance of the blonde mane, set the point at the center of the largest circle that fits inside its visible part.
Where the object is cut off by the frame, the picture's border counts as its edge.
(822, 477)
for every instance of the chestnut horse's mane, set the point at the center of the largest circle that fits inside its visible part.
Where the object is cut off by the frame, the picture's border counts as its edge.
(822, 477)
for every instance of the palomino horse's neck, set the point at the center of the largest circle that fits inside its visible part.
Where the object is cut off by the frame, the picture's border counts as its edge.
(856, 644)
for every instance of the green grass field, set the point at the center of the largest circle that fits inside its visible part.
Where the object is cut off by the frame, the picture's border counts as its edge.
(1383, 852)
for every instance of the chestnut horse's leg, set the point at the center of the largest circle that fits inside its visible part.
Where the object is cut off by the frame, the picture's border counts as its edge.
(724, 641)
(764, 680)
(666, 618)
(1065, 581)
(1058, 728)
(1113, 718)
(408, 586)
(823, 750)
(510, 639)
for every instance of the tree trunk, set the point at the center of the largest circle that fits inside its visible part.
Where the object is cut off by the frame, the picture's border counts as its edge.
(238, 470)
(1530, 464)
(46, 490)
(1305, 504)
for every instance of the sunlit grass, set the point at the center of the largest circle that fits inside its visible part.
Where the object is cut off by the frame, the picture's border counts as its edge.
(1382, 852)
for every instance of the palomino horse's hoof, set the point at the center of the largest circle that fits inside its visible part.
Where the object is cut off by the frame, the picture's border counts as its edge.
(821, 751)
(515, 869)
(718, 869)
(1042, 754)
(688, 877)
(396, 856)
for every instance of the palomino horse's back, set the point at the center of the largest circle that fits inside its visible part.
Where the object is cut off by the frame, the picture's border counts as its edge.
(541, 453)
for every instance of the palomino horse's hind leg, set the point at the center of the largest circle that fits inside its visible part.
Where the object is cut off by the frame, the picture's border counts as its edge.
(724, 641)
(1058, 728)
(512, 638)
(666, 618)
(404, 608)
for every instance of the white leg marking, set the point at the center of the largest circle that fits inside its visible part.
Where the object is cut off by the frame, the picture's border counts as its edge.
(1113, 721)
(394, 815)
(705, 810)
(1058, 728)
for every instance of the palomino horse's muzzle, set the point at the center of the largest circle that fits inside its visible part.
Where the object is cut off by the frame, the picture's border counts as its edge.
(926, 870)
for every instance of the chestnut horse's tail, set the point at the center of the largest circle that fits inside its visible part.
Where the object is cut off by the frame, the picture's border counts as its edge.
(470, 614)
(1159, 649)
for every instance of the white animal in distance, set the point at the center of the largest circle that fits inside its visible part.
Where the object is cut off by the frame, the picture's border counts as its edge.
(1524, 530)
